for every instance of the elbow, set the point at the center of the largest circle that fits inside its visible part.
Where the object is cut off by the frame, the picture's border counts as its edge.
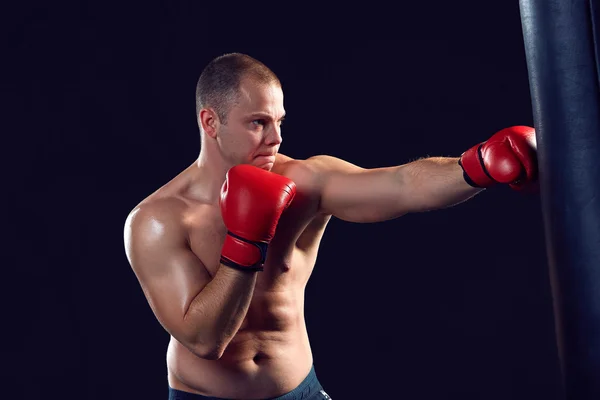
(206, 351)
(210, 353)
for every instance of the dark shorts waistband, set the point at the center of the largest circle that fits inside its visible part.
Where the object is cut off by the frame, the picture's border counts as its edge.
(309, 388)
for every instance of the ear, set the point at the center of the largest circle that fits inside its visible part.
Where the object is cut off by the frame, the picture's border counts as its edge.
(208, 121)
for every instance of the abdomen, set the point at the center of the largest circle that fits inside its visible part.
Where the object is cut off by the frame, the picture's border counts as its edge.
(270, 354)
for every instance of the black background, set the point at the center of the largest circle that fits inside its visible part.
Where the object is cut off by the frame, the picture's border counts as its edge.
(99, 112)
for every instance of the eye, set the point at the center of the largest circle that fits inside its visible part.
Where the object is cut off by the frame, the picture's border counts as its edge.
(258, 122)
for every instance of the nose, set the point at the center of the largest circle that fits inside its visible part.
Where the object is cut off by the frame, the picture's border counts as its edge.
(273, 136)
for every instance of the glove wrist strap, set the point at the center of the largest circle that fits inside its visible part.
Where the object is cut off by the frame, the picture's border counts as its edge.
(474, 172)
(242, 253)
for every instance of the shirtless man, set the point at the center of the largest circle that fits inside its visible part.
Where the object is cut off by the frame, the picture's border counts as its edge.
(223, 251)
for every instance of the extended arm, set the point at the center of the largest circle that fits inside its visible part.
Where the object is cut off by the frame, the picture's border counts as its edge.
(369, 195)
(356, 194)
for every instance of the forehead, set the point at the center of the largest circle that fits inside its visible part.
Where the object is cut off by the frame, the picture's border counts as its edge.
(257, 96)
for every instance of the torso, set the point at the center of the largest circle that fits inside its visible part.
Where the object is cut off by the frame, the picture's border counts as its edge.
(270, 354)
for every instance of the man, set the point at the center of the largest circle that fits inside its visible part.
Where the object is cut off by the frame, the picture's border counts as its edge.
(223, 251)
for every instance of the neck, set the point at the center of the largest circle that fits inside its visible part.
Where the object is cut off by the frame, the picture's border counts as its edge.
(209, 172)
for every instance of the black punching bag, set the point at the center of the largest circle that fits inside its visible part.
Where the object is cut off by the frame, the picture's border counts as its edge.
(563, 55)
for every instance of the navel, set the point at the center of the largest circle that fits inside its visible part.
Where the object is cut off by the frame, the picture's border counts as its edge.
(258, 357)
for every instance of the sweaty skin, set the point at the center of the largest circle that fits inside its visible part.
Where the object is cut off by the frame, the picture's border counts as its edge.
(173, 241)
(270, 354)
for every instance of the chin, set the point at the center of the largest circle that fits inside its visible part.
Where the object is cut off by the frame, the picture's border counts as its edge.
(266, 166)
(263, 162)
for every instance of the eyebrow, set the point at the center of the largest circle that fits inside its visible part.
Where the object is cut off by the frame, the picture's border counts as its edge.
(263, 115)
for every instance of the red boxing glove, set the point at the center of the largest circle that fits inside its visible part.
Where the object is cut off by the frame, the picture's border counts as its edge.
(252, 200)
(509, 156)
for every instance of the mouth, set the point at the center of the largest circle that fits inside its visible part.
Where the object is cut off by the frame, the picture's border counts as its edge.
(266, 156)
(264, 160)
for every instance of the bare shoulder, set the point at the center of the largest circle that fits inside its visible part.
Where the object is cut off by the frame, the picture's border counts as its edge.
(166, 211)
(314, 169)
(299, 170)
(154, 224)
(327, 163)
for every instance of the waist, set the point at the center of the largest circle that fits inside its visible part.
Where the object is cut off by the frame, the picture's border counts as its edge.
(309, 386)
(269, 365)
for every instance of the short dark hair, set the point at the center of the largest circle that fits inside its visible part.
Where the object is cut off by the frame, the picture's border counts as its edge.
(219, 82)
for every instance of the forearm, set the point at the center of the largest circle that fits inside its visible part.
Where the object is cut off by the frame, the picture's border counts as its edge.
(433, 183)
(217, 312)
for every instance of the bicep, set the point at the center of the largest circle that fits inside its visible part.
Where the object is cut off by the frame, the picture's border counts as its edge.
(169, 273)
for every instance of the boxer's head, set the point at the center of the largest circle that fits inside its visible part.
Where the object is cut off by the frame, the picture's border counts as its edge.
(239, 104)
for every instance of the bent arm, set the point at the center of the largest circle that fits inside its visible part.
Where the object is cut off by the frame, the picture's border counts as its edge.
(357, 194)
(217, 312)
(201, 312)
